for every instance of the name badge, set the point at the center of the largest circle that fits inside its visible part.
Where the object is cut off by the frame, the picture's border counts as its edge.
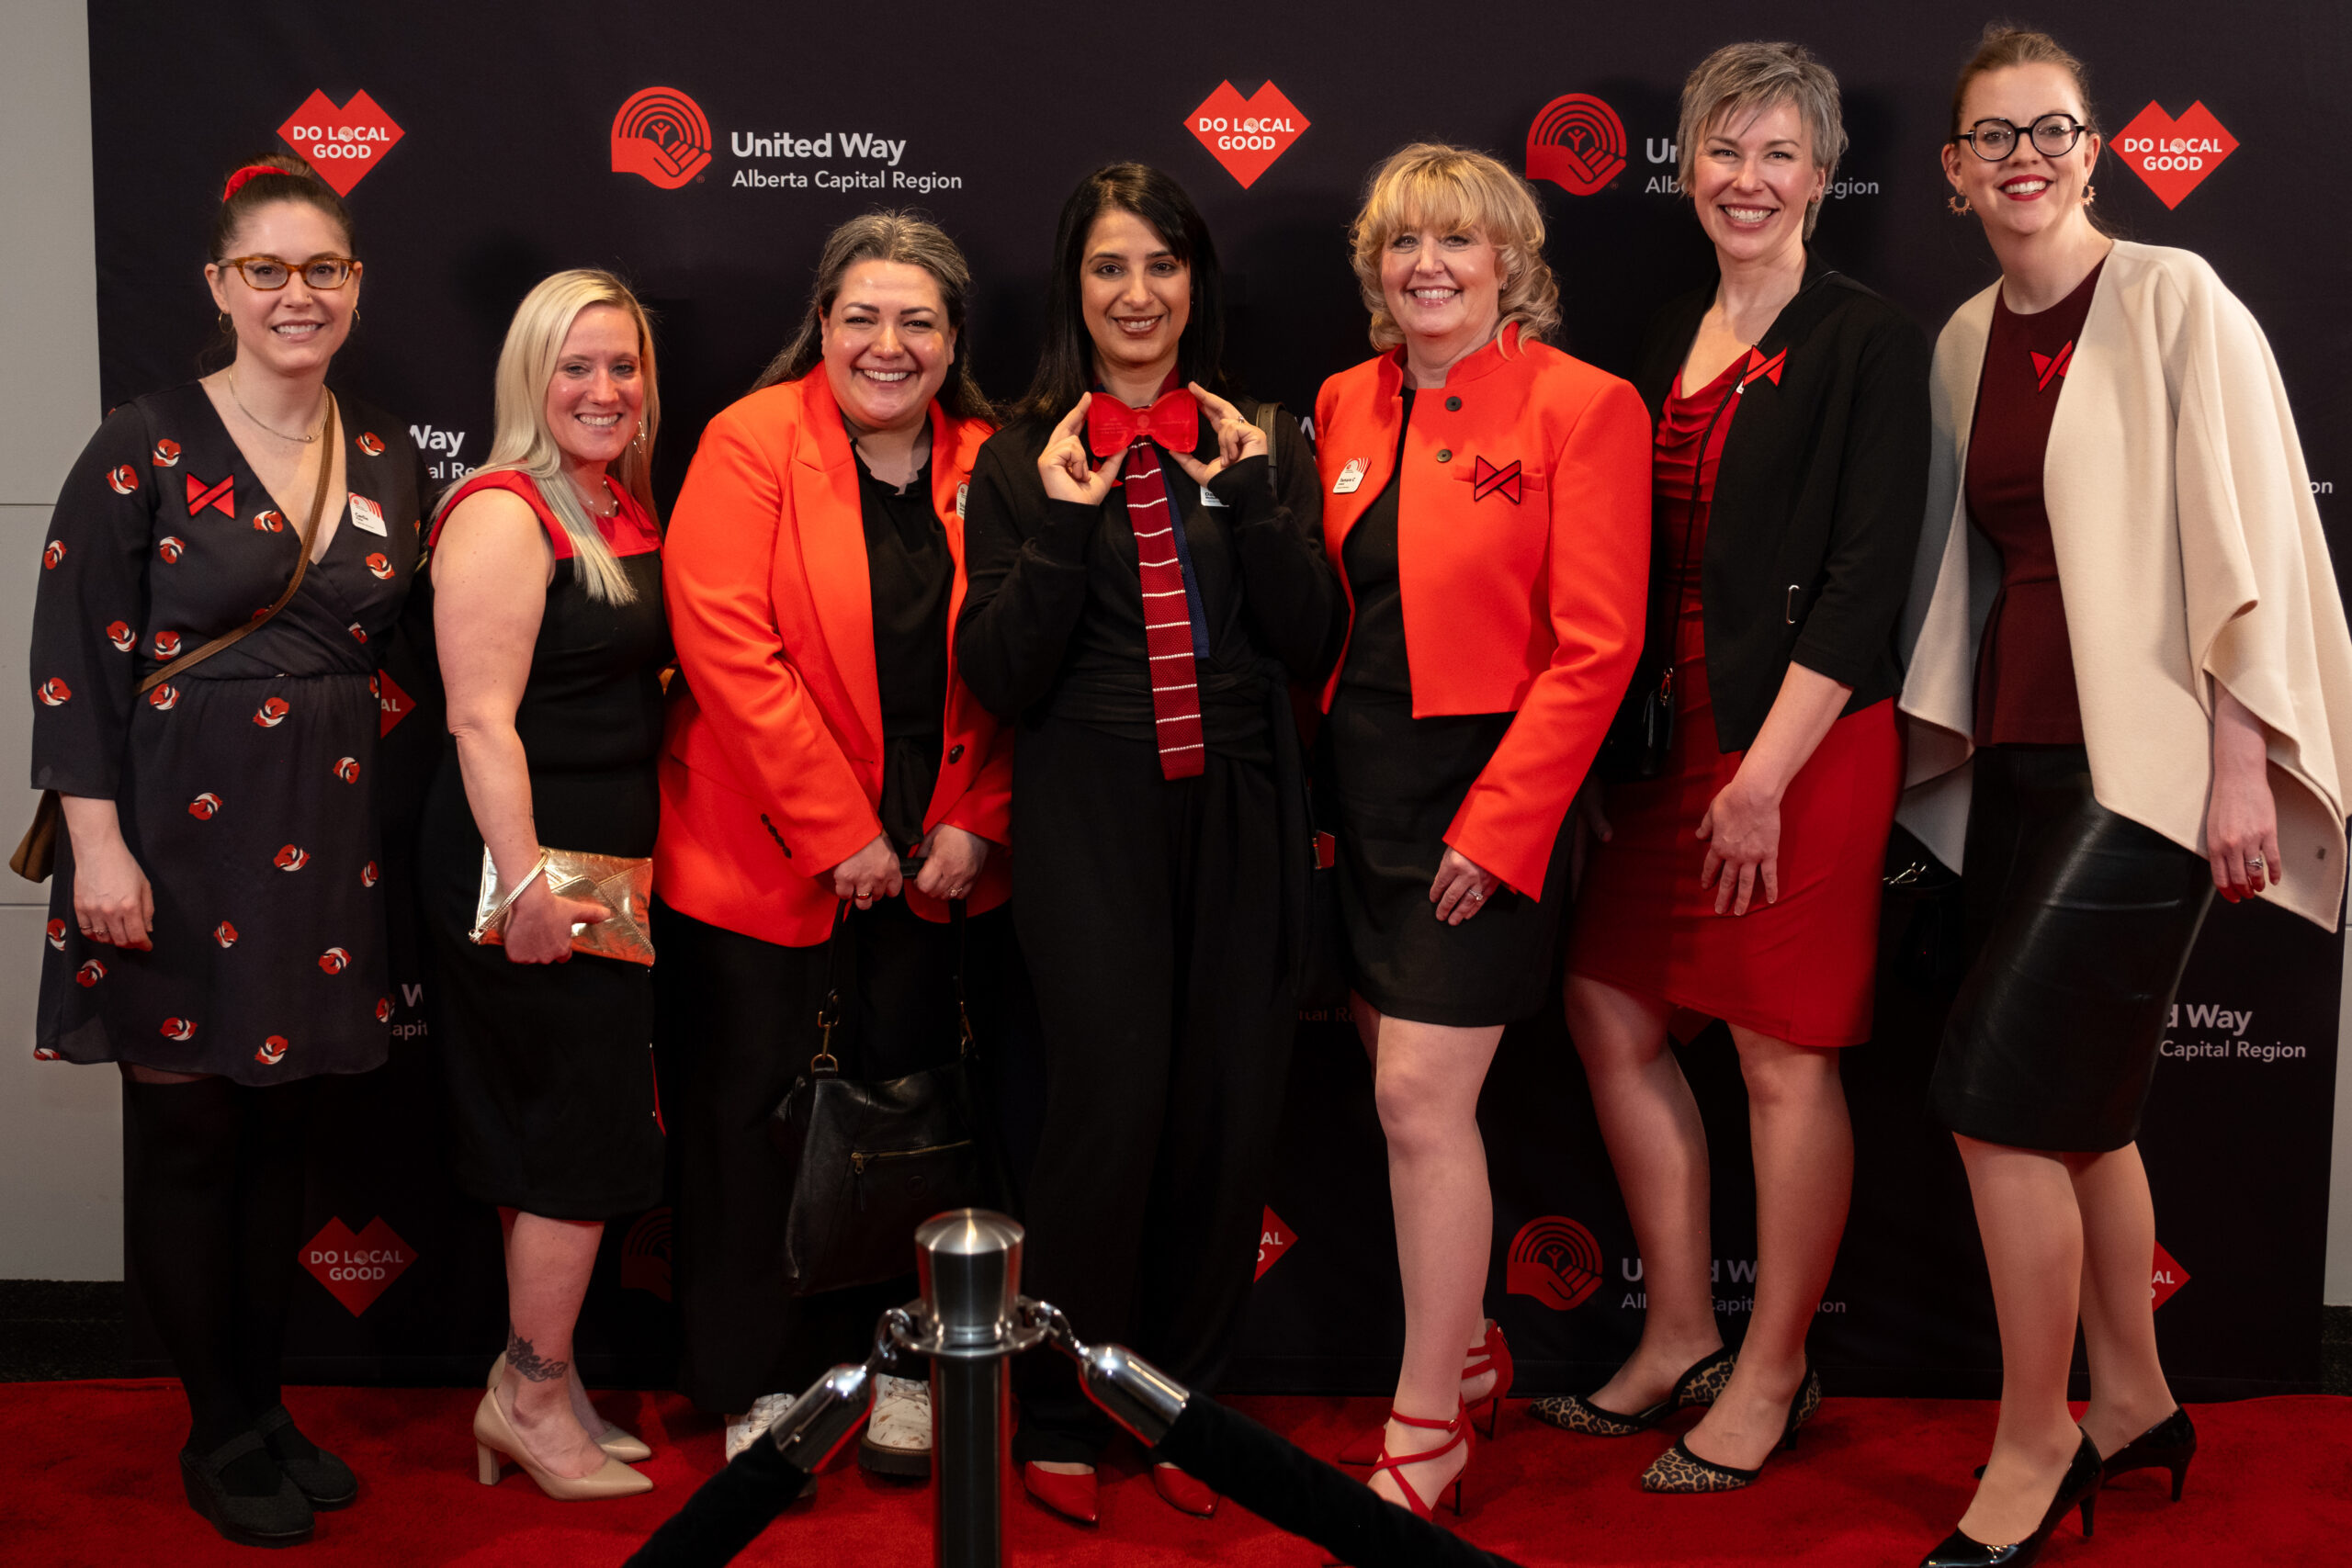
(1350, 478)
(962, 491)
(1208, 497)
(366, 518)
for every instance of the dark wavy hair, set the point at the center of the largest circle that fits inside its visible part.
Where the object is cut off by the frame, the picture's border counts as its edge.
(1066, 367)
(908, 237)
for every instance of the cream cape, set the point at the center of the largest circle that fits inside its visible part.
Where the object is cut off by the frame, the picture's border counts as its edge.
(2190, 552)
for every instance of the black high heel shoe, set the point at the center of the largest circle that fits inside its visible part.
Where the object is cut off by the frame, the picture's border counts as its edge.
(2170, 1444)
(1680, 1470)
(2078, 1488)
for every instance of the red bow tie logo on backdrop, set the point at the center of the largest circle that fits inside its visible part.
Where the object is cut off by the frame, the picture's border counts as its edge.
(1174, 422)
(1762, 369)
(1487, 478)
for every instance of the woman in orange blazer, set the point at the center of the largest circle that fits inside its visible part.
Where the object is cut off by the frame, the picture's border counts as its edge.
(1489, 501)
(822, 749)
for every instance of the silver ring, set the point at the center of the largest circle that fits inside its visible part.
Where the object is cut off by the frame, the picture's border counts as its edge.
(1476, 894)
(2255, 862)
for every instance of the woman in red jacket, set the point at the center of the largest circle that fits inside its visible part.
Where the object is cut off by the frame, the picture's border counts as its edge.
(821, 748)
(1489, 505)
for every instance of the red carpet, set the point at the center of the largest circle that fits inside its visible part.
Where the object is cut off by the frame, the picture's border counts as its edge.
(1872, 1481)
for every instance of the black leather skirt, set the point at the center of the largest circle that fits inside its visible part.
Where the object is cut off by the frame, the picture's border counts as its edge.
(2079, 922)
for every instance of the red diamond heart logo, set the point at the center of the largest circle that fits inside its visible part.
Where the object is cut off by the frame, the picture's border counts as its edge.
(2165, 1277)
(343, 144)
(2174, 155)
(1274, 1238)
(1246, 135)
(356, 1270)
(395, 703)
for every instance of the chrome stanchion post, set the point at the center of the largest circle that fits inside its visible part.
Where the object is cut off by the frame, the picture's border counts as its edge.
(967, 1323)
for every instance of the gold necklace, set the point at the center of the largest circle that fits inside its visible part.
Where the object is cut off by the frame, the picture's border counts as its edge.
(232, 378)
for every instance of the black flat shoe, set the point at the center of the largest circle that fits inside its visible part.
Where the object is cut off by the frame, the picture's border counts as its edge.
(2170, 1444)
(2078, 1488)
(1699, 1385)
(281, 1518)
(325, 1480)
(1680, 1470)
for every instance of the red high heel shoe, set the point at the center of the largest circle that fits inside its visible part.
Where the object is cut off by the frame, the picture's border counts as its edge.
(1491, 1354)
(1457, 1433)
(1074, 1497)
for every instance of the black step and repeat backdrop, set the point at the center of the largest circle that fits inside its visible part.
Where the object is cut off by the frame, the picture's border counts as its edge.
(704, 151)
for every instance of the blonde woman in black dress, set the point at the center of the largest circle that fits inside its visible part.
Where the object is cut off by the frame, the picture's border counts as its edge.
(216, 925)
(545, 596)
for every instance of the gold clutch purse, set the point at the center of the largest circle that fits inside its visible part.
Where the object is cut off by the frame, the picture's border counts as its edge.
(620, 883)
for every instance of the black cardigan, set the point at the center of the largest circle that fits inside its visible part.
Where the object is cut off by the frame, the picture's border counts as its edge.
(1035, 566)
(1817, 505)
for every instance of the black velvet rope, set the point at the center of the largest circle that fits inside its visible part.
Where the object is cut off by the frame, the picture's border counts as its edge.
(1222, 1449)
(727, 1513)
(1294, 1491)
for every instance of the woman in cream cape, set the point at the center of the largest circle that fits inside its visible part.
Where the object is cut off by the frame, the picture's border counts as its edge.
(2213, 675)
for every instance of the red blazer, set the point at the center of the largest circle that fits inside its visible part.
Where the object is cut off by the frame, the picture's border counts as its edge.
(1523, 592)
(772, 766)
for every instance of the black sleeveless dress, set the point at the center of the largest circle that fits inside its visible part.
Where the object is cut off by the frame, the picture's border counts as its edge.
(550, 1066)
(247, 787)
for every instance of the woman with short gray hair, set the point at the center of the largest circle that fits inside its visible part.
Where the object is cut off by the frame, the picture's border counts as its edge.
(1757, 763)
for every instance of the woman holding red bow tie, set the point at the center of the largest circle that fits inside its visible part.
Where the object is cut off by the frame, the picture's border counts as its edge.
(1138, 561)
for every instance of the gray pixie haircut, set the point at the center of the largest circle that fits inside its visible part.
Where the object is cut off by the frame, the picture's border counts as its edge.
(1740, 81)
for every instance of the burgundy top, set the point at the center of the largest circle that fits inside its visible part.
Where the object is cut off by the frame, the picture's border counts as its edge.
(1676, 465)
(2025, 668)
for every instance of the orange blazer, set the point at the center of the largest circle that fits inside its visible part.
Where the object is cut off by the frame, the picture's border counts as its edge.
(772, 764)
(1523, 555)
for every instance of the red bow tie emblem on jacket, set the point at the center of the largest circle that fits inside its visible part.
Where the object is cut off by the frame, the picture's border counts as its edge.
(1761, 368)
(1174, 422)
(1487, 480)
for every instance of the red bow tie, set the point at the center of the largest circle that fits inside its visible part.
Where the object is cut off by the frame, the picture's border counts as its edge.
(1174, 422)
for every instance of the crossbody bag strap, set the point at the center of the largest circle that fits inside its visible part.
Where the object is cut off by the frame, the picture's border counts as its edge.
(302, 564)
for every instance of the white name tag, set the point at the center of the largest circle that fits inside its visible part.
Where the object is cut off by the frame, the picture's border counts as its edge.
(366, 518)
(961, 492)
(1350, 478)
(1208, 497)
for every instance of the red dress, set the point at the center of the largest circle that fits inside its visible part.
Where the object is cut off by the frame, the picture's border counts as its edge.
(1799, 970)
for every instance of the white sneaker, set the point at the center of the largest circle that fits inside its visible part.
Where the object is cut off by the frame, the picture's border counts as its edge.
(744, 1430)
(898, 1434)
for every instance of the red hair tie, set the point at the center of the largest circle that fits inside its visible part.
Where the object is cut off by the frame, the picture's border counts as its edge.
(237, 181)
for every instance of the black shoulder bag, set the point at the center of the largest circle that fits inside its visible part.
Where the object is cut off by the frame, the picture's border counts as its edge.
(872, 1161)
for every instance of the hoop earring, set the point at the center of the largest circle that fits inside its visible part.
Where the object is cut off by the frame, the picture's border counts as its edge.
(354, 315)
(1959, 205)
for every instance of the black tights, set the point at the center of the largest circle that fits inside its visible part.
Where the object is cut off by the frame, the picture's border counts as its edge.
(212, 1211)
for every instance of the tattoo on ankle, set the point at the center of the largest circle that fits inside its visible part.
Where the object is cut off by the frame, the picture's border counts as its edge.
(528, 1363)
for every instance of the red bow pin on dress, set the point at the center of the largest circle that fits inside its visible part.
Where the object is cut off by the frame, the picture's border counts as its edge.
(1760, 368)
(1490, 480)
(1174, 422)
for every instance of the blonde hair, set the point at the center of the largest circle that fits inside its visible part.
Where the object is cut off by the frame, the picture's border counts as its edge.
(1455, 188)
(1745, 79)
(521, 440)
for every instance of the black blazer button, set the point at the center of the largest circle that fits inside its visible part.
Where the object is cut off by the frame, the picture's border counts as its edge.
(1453, 405)
(1445, 454)
(955, 753)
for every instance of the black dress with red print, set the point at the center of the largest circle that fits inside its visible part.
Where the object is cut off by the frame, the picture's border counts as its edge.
(245, 787)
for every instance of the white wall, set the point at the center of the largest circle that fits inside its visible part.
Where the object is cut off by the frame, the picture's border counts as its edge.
(60, 1134)
(60, 1138)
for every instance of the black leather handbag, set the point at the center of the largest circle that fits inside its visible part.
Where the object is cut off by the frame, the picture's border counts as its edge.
(872, 1161)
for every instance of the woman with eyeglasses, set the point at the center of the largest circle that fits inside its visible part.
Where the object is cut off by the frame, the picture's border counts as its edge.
(2131, 687)
(205, 710)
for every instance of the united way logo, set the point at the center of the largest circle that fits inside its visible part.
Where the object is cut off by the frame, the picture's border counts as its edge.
(1555, 1261)
(343, 144)
(661, 134)
(1246, 135)
(2174, 155)
(1577, 143)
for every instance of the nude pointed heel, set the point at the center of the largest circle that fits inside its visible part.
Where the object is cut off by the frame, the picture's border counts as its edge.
(494, 1436)
(624, 1446)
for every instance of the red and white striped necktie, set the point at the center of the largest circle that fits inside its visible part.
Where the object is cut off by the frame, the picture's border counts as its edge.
(1167, 620)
